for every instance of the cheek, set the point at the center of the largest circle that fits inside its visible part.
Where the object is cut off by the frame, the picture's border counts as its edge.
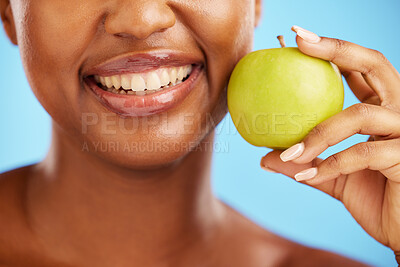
(225, 30)
(51, 42)
(58, 29)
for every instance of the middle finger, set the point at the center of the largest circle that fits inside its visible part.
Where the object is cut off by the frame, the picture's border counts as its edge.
(360, 118)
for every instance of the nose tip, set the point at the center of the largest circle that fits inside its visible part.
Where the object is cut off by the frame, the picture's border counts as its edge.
(140, 19)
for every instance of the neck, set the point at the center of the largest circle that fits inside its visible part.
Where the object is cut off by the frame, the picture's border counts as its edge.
(88, 203)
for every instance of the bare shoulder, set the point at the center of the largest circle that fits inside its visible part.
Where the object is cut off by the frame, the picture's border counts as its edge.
(15, 237)
(12, 186)
(260, 248)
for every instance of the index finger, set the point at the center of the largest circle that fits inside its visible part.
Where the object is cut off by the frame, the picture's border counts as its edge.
(378, 72)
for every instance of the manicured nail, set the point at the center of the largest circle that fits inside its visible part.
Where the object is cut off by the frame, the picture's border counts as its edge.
(306, 35)
(267, 169)
(306, 174)
(292, 152)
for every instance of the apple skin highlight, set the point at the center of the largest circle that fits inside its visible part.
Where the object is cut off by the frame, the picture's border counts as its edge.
(276, 96)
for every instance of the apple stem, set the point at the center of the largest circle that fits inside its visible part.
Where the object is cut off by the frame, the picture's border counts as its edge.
(281, 40)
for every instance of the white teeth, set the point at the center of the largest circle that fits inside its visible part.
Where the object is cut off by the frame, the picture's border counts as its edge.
(108, 82)
(102, 80)
(126, 82)
(137, 83)
(173, 75)
(185, 72)
(153, 81)
(180, 73)
(189, 70)
(164, 78)
(116, 81)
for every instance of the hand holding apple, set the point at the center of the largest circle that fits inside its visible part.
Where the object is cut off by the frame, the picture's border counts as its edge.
(365, 176)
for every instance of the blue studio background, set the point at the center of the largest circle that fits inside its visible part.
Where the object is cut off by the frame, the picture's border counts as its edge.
(274, 201)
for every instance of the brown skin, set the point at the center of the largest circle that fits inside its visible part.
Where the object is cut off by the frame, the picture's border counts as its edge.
(115, 208)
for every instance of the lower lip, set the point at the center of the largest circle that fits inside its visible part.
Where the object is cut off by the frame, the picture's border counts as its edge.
(146, 105)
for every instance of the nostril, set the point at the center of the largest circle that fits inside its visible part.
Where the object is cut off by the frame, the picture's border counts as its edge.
(139, 19)
(122, 35)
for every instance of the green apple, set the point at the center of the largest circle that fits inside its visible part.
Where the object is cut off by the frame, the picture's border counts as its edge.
(276, 96)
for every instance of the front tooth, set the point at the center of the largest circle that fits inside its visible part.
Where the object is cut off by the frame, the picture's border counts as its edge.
(126, 82)
(164, 78)
(153, 81)
(180, 73)
(108, 82)
(116, 81)
(137, 83)
(185, 71)
(173, 75)
(102, 81)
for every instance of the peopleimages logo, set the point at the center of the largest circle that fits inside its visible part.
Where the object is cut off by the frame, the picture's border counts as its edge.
(109, 123)
(193, 123)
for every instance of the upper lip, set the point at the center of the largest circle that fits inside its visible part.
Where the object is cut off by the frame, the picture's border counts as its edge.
(142, 62)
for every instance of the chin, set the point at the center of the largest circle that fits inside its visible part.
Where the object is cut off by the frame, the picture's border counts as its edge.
(144, 153)
(163, 144)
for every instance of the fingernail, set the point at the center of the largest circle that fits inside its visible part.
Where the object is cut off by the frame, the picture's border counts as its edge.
(292, 152)
(267, 169)
(306, 174)
(306, 35)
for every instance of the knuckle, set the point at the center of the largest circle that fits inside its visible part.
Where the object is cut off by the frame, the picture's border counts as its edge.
(320, 130)
(341, 48)
(378, 60)
(365, 150)
(334, 161)
(363, 110)
(380, 57)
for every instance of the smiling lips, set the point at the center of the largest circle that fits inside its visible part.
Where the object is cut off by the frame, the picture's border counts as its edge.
(144, 84)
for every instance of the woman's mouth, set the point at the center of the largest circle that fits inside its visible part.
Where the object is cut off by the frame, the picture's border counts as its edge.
(145, 84)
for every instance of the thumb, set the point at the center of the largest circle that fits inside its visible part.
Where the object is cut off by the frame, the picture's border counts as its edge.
(272, 161)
